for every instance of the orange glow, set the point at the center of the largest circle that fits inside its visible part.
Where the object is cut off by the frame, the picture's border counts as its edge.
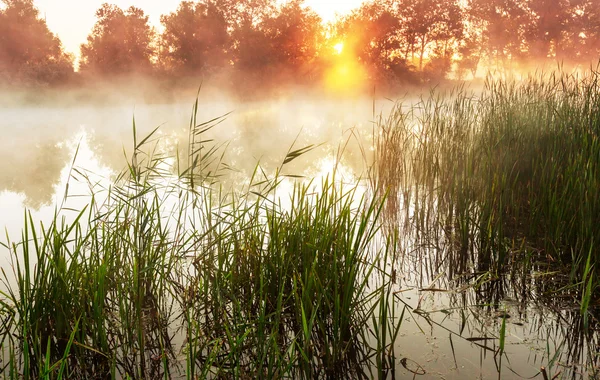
(72, 20)
(346, 74)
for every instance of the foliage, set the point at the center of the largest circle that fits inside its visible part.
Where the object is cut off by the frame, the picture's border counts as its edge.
(508, 171)
(371, 32)
(29, 52)
(430, 27)
(280, 45)
(120, 43)
(170, 276)
(261, 44)
(195, 38)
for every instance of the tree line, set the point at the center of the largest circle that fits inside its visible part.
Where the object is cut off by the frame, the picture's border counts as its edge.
(263, 42)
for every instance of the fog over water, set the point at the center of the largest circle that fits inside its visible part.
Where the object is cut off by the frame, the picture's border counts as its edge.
(49, 144)
(42, 139)
(402, 187)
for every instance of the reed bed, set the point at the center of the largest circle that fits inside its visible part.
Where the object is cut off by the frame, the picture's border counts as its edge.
(167, 275)
(501, 181)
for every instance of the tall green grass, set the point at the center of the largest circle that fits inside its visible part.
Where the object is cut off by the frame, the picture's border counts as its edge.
(501, 178)
(166, 274)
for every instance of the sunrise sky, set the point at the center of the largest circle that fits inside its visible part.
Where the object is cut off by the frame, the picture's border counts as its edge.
(72, 20)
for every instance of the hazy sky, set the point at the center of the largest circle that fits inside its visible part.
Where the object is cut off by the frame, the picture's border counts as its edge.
(72, 20)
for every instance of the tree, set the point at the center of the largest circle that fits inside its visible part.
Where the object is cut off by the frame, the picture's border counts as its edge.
(195, 38)
(121, 42)
(586, 31)
(29, 52)
(470, 55)
(272, 44)
(295, 35)
(249, 12)
(503, 25)
(430, 26)
(372, 33)
(547, 28)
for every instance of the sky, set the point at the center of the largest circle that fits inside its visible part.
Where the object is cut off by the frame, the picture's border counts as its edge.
(72, 20)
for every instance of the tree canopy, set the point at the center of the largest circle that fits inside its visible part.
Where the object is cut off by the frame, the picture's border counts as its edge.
(121, 42)
(266, 42)
(29, 52)
(195, 38)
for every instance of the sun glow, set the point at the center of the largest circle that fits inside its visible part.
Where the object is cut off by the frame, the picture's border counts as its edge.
(345, 74)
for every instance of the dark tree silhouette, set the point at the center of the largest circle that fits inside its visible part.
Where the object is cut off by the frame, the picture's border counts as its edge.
(121, 42)
(372, 33)
(266, 43)
(547, 28)
(470, 52)
(296, 35)
(390, 37)
(29, 52)
(503, 26)
(509, 33)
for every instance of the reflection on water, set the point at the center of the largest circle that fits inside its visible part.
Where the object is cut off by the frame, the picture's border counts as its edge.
(457, 307)
(453, 312)
(37, 178)
(455, 326)
(41, 139)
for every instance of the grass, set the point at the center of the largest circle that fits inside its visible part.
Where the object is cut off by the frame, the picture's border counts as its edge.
(167, 275)
(501, 184)
(506, 177)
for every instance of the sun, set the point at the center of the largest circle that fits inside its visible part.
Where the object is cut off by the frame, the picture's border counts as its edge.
(339, 48)
(344, 73)
(345, 76)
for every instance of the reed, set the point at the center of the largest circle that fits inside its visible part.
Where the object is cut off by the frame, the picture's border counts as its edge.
(500, 175)
(167, 275)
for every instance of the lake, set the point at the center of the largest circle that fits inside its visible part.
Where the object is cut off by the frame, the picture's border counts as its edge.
(456, 320)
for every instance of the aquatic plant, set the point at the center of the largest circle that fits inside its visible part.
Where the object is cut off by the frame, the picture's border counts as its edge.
(166, 274)
(501, 174)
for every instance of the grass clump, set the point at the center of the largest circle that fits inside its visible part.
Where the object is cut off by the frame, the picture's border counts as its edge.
(167, 275)
(501, 175)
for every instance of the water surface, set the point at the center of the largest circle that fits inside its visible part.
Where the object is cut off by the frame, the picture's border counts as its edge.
(52, 158)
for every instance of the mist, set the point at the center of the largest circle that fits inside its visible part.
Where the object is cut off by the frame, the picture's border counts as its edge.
(46, 131)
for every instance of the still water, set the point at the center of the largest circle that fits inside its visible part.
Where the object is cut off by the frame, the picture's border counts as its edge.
(53, 158)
